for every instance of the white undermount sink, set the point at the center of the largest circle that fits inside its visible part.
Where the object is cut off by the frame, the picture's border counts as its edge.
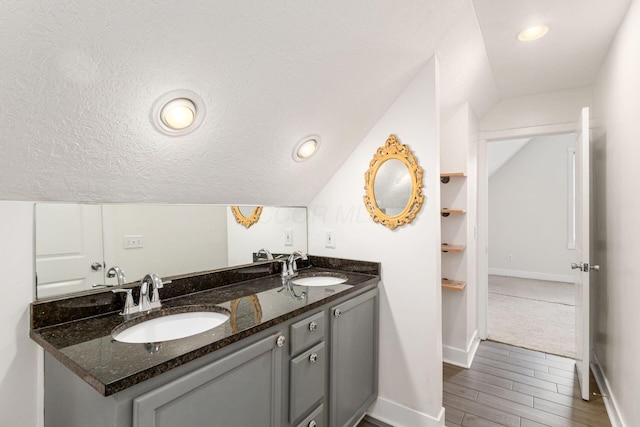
(171, 327)
(319, 280)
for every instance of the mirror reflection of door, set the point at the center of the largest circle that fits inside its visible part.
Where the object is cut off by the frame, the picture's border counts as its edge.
(392, 187)
(68, 248)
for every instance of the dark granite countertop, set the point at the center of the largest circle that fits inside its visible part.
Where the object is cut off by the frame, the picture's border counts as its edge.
(86, 347)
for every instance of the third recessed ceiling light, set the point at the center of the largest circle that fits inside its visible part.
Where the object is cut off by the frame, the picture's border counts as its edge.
(533, 33)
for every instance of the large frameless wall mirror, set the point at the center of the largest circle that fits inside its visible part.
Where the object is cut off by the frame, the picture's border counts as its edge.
(77, 244)
(393, 185)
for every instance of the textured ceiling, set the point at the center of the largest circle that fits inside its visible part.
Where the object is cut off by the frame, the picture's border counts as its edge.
(568, 57)
(78, 80)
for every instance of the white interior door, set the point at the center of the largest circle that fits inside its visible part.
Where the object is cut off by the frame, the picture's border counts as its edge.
(68, 248)
(582, 263)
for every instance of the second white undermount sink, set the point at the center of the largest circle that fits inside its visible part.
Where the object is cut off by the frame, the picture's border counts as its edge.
(319, 280)
(171, 327)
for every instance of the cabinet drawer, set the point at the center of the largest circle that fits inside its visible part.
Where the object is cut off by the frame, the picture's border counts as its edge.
(307, 332)
(307, 380)
(315, 419)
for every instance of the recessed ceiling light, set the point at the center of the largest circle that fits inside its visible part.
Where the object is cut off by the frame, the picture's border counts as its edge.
(177, 112)
(533, 33)
(306, 148)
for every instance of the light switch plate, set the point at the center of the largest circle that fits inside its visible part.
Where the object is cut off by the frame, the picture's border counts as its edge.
(132, 241)
(330, 239)
(288, 237)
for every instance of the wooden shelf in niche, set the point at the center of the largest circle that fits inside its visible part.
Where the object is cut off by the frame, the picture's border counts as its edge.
(452, 248)
(445, 177)
(446, 212)
(453, 284)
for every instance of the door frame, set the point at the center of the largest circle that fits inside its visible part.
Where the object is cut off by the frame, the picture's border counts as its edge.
(483, 204)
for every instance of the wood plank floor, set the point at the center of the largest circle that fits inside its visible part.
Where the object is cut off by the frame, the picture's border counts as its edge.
(516, 387)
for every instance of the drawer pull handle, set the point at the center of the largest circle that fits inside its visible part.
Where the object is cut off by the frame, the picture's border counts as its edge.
(313, 358)
(313, 423)
(281, 340)
(337, 312)
(313, 326)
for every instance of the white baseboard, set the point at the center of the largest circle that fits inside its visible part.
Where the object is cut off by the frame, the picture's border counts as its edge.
(459, 357)
(607, 396)
(532, 275)
(398, 415)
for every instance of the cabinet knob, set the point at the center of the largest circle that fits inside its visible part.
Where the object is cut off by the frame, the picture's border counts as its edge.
(313, 326)
(337, 312)
(281, 340)
(313, 358)
(313, 423)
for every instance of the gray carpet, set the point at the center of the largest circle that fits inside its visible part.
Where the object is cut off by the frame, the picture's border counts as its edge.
(534, 314)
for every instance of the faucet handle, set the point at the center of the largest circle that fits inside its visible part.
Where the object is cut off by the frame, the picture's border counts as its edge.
(285, 268)
(129, 305)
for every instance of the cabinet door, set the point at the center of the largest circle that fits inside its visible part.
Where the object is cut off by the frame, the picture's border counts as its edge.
(354, 358)
(307, 381)
(242, 389)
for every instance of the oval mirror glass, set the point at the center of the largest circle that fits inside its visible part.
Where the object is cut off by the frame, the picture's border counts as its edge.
(392, 187)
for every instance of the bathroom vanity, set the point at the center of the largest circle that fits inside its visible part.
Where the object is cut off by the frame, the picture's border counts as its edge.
(301, 358)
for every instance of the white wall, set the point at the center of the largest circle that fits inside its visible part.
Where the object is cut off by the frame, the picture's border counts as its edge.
(528, 212)
(410, 318)
(267, 233)
(178, 239)
(549, 108)
(616, 156)
(20, 358)
(459, 308)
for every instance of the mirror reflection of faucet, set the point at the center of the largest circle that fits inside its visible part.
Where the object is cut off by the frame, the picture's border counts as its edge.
(116, 272)
(264, 254)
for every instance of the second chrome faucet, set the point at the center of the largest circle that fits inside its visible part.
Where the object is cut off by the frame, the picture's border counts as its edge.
(149, 296)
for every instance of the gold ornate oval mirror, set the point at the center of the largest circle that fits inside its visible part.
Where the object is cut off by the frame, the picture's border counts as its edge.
(393, 185)
(246, 215)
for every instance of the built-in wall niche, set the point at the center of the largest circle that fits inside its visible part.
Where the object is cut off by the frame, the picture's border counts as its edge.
(77, 244)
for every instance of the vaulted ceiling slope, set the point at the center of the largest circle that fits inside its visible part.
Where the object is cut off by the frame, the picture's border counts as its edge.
(78, 80)
(569, 57)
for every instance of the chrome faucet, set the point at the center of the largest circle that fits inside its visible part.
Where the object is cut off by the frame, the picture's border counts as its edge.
(264, 251)
(149, 285)
(291, 262)
(117, 272)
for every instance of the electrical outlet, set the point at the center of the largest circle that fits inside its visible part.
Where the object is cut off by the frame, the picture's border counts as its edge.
(133, 241)
(330, 239)
(288, 237)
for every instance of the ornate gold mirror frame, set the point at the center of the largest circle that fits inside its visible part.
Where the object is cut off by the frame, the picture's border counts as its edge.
(246, 221)
(392, 149)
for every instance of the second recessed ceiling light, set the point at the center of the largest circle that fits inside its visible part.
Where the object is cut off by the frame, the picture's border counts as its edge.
(533, 33)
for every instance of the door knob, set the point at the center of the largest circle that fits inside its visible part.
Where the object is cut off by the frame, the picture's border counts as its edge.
(585, 267)
(96, 266)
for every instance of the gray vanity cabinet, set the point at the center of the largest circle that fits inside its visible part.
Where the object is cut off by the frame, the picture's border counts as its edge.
(242, 389)
(318, 369)
(354, 358)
